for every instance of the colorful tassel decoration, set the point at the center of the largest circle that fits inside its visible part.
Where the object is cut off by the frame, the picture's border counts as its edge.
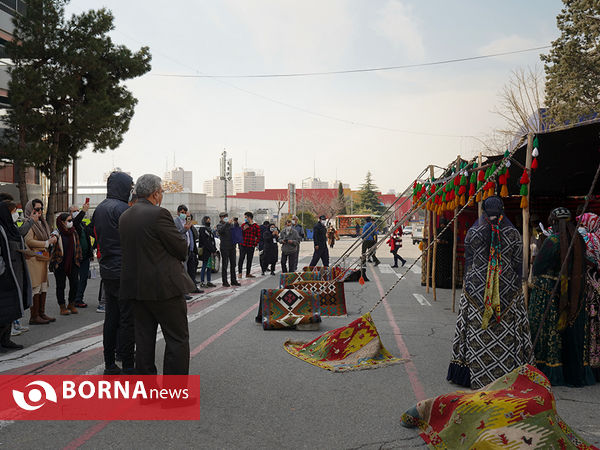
(523, 202)
(504, 191)
(534, 164)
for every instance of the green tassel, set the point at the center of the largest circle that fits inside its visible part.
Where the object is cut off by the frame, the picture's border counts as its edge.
(493, 169)
(536, 142)
(523, 190)
(473, 179)
(444, 197)
(506, 154)
(463, 180)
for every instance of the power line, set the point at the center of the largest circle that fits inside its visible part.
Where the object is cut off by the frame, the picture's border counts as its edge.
(350, 71)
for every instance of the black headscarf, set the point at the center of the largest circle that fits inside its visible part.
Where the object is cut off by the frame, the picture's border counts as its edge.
(572, 283)
(6, 221)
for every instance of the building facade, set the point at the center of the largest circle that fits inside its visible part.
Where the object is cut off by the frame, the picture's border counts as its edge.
(216, 187)
(182, 177)
(248, 181)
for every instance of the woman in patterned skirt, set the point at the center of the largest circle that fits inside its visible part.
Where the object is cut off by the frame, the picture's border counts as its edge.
(561, 351)
(492, 331)
(590, 230)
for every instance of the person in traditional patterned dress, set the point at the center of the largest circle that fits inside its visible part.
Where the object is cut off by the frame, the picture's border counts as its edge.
(590, 230)
(561, 351)
(492, 335)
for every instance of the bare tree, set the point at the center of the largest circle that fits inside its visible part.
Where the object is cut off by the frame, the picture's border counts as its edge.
(521, 103)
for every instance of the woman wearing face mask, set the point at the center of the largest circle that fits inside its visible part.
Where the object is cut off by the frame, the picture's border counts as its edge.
(15, 286)
(206, 248)
(38, 239)
(65, 261)
(270, 248)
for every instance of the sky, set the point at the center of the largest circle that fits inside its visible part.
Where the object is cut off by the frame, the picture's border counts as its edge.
(392, 123)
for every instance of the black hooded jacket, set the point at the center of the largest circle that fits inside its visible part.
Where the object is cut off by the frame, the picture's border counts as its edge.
(106, 223)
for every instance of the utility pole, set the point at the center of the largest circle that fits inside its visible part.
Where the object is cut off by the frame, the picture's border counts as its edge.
(226, 174)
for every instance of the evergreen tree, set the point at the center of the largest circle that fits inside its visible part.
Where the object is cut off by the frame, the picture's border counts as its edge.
(341, 200)
(573, 63)
(368, 197)
(66, 88)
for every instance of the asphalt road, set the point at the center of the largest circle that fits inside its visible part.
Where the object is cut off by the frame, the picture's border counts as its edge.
(254, 394)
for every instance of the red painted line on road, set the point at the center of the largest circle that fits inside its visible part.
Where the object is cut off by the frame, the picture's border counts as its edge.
(91, 432)
(409, 365)
(223, 330)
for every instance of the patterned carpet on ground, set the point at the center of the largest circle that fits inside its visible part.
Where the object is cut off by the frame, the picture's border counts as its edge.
(352, 347)
(286, 308)
(337, 273)
(330, 293)
(516, 411)
(286, 279)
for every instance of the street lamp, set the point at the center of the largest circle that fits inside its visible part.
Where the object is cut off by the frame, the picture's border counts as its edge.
(302, 199)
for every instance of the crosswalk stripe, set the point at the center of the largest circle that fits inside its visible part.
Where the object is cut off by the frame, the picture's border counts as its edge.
(422, 300)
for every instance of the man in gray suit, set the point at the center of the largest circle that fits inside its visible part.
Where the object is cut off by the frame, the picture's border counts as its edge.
(155, 280)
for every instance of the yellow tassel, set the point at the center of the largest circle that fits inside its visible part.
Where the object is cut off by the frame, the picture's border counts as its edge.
(504, 191)
(523, 202)
(562, 321)
(471, 201)
(491, 191)
(485, 195)
(478, 197)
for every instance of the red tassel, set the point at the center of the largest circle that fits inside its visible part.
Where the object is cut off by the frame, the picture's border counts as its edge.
(524, 177)
(534, 164)
(472, 190)
(502, 179)
(481, 175)
(462, 190)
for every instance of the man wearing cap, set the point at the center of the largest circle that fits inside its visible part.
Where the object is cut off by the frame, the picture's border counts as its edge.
(224, 228)
(320, 242)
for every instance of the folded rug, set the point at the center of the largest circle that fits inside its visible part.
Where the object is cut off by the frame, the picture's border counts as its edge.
(330, 293)
(353, 347)
(337, 273)
(516, 411)
(285, 308)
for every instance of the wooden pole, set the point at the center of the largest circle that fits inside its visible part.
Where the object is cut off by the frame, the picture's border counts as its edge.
(429, 237)
(480, 204)
(425, 265)
(435, 245)
(528, 160)
(454, 244)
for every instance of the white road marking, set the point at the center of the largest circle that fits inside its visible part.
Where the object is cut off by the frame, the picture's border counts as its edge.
(416, 269)
(422, 300)
(40, 345)
(386, 268)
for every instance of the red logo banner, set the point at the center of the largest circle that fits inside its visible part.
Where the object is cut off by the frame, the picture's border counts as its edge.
(97, 397)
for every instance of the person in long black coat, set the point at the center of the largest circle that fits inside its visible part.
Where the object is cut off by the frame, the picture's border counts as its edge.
(206, 248)
(270, 254)
(15, 285)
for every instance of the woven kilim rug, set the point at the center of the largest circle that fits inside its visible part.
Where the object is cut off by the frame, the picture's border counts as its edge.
(335, 273)
(286, 279)
(285, 308)
(330, 293)
(353, 347)
(516, 411)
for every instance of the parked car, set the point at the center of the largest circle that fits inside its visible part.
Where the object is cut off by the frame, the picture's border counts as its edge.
(417, 235)
(407, 230)
(216, 261)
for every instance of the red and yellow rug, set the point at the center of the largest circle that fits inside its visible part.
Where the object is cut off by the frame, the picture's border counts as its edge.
(516, 411)
(353, 347)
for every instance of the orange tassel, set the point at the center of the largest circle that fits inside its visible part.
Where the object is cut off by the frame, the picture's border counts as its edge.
(504, 191)
(478, 197)
(523, 202)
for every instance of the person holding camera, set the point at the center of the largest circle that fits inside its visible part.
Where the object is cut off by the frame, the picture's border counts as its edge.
(270, 253)
(290, 243)
(183, 222)
(41, 240)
